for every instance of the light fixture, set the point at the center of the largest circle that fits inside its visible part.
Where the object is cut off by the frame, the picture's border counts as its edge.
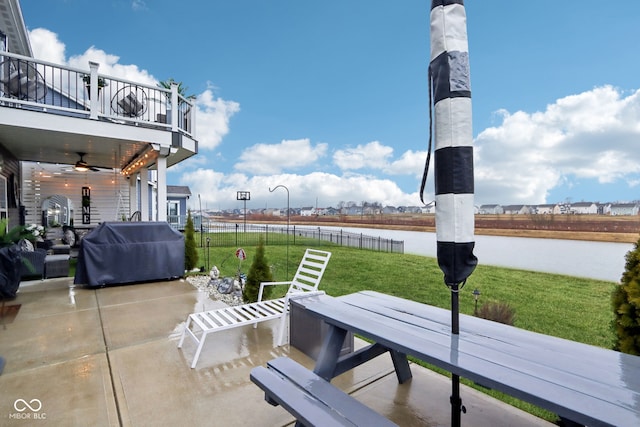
(81, 165)
(140, 160)
(476, 295)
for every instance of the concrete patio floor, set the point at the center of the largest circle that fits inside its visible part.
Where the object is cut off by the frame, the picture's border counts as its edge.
(109, 357)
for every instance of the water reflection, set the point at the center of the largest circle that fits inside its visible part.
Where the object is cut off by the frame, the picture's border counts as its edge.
(72, 295)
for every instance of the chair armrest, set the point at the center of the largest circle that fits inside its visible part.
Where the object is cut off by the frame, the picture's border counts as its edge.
(32, 262)
(263, 284)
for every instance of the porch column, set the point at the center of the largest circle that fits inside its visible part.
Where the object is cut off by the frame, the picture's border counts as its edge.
(133, 194)
(174, 107)
(94, 104)
(144, 194)
(162, 187)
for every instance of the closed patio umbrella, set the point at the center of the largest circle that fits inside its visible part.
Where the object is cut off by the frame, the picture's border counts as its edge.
(450, 91)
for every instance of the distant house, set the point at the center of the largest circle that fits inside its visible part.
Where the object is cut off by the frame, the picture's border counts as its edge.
(490, 209)
(624, 209)
(307, 211)
(275, 212)
(331, 211)
(584, 208)
(177, 196)
(547, 209)
(413, 209)
(352, 210)
(516, 209)
(389, 210)
(368, 210)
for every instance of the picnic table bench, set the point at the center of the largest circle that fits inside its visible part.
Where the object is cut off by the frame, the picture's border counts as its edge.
(582, 383)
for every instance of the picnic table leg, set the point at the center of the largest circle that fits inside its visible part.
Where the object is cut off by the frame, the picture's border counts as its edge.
(329, 353)
(401, 364)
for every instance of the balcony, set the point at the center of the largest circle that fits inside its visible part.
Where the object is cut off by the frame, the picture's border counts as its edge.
(49, 113)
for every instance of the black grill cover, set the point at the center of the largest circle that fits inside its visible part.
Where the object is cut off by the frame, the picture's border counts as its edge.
(10, 262)
(126, 252)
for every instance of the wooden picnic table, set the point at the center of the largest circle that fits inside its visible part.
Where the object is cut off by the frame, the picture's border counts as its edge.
(586, 384)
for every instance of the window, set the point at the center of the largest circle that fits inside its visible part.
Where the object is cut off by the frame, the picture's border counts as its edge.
(173, 211)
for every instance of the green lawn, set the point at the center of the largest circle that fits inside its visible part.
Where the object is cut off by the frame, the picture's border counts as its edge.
(568, 307)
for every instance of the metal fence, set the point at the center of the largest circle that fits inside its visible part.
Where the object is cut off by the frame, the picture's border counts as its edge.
(225, 234)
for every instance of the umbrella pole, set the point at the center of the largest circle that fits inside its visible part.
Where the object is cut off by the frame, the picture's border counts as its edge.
(456, 401)
(455, 310)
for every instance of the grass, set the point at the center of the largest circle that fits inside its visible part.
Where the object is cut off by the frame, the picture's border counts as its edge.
(568, 307)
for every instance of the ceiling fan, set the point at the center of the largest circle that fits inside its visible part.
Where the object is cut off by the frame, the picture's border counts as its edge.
(82, 166)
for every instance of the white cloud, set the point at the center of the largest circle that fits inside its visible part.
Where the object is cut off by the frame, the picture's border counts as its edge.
(110, 66)
(589, 135)
(376, 156)
(190, 164)
(372, 155)
(213, 116)
(138, 5)
(218, 191)
(269, 159)
(46, 46)
(410, 163)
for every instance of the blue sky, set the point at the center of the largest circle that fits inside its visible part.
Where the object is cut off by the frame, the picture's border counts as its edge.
(330, 97)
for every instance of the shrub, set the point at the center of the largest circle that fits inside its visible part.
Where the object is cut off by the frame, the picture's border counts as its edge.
(498, 312)
(626, 305)
(258, 272)
(190, 252)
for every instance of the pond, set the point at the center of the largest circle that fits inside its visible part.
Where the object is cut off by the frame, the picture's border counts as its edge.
(595, 260)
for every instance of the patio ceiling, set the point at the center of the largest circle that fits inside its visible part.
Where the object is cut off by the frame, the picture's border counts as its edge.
(49, 138)
(29, 145)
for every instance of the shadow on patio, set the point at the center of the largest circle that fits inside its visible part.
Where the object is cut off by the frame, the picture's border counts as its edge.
(108, 357)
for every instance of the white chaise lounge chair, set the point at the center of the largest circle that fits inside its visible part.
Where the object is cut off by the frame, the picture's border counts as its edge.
(305, 283)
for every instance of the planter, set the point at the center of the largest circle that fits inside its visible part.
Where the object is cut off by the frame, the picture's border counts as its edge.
(10, 266)
(88, 87)
(307, 333)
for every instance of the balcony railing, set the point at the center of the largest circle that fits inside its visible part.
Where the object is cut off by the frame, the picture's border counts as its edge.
(43, 86)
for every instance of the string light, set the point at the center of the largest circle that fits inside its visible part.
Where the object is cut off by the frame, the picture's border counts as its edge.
(141, 160)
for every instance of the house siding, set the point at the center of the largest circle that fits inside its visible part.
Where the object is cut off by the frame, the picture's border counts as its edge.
(109, 194)
(11, 171)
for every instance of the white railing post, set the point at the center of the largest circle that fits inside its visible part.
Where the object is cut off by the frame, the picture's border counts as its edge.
(192, 119)
(175, 104)
(93, 90)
